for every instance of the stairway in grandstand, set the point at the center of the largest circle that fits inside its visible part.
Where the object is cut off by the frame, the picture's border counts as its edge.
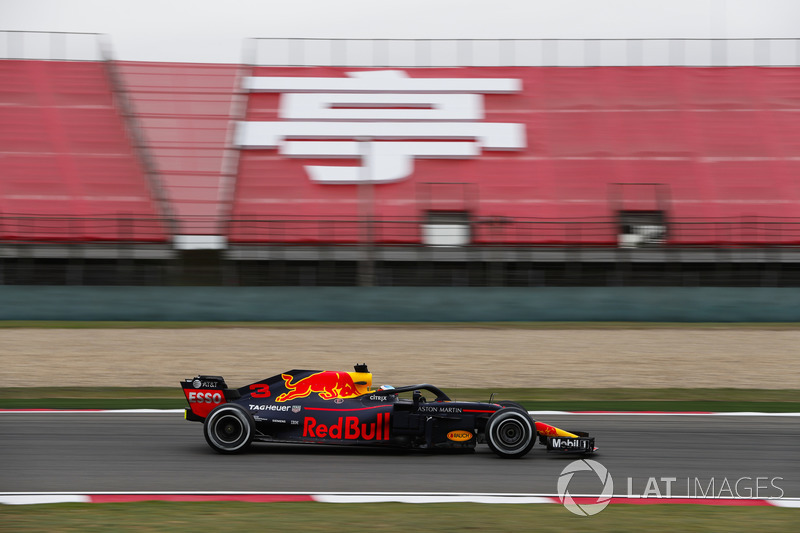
(184, 111)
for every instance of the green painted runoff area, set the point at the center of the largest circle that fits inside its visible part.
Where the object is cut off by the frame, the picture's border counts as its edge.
(389, 517)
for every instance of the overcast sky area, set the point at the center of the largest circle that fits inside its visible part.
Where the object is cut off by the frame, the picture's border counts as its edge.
(214, 30)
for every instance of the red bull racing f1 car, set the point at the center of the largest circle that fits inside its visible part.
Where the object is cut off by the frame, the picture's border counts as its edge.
(329, 407)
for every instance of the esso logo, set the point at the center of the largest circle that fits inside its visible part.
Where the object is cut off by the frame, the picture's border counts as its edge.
(205, 397)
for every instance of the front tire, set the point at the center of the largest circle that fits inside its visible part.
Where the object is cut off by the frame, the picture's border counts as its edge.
(511, 404)
(510, 433)
(229, 428)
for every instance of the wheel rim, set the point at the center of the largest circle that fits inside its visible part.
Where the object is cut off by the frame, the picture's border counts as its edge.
(228, 429)
(510, 433)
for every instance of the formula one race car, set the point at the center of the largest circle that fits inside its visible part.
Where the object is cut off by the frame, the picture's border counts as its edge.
(328, 407)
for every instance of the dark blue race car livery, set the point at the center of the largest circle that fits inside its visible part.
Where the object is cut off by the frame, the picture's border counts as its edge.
(333, 407)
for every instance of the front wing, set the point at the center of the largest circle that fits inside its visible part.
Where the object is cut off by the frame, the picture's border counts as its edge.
(570, 444)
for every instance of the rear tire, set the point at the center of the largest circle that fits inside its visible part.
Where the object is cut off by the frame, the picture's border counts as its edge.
(229, 428)
(510, 433)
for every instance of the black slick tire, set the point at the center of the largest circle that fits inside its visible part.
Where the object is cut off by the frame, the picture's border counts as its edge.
(229, 428)
(510, 433)
(510, 404)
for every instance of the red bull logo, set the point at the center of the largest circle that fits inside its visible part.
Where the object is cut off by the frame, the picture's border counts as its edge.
(551, 431)
(348, 428)
(327, 384)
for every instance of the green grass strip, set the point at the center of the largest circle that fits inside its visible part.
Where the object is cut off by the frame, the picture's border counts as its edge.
(388, 517)
(70, 324)
(540, 399)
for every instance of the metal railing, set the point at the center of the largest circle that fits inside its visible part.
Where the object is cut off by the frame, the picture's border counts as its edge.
(130, 250)
(505, 231)
(522, 52)
(123, 229)
(751, 231)
(271, 51)
(49, 45)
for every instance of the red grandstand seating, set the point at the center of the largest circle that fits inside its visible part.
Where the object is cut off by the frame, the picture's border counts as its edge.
(185, 110)
(725, 143)
(722, 141)
(67, 168)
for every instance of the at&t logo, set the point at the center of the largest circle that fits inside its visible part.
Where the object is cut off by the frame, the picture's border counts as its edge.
(589, 505)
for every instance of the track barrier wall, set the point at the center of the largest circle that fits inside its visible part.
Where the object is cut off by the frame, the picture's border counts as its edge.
(401, 304)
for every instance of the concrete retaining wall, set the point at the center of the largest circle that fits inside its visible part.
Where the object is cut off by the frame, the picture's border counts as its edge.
(451, 304)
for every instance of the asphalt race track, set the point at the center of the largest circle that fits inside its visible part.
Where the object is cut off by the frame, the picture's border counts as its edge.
(103, 452)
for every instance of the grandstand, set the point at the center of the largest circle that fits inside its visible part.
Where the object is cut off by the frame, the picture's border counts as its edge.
(324, 162)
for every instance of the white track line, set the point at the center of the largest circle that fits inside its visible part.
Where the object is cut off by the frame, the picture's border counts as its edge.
(793, 503)
(444, 498)
(31, 498)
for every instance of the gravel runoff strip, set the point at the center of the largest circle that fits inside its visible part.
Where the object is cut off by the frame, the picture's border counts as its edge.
(449, 357)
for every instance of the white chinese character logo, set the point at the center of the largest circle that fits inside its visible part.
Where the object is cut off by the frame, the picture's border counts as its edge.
(383, 118)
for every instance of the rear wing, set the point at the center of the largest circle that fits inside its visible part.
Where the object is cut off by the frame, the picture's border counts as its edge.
(204, 393)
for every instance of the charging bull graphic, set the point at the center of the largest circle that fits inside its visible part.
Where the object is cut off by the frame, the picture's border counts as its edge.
(551, 431)
(327, 384)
